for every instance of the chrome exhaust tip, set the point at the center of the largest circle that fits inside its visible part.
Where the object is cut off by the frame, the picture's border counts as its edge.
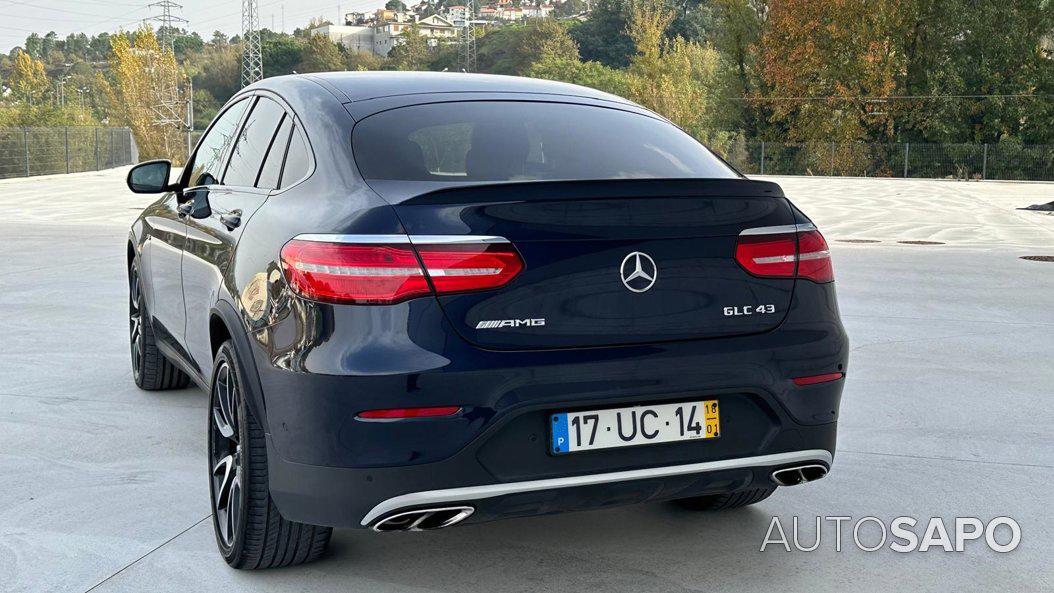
(424, 519)
(799, 474)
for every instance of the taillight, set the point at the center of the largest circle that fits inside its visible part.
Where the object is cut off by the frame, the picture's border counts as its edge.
(386, 273)
(814, 259)
(782, 252)
(469, 267)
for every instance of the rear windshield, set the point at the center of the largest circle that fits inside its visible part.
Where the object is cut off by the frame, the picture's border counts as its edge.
(525, 141)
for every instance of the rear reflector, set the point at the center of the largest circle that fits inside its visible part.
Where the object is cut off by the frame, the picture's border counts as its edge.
(784, 254)
(375, 273)
(814, 379)
(397, 413)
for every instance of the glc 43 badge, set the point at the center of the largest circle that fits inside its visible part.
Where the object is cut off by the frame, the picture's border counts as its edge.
(749, 310)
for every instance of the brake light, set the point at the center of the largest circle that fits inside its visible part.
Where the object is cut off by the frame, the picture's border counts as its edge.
(777, 252)
(469, 267)
(814, 258)
(388, 273)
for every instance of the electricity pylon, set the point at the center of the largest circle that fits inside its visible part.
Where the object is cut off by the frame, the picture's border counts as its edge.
(252, 60)
(175, 106)
(168, 22)
(467, 43)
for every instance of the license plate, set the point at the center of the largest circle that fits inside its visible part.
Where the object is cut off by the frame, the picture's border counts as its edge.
(573, 432)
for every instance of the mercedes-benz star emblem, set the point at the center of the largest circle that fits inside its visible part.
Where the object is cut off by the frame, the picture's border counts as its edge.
(639, 272)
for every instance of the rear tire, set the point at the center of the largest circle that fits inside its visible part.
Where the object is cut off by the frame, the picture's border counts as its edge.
(729, 500)
(150, 369)
(250, 532)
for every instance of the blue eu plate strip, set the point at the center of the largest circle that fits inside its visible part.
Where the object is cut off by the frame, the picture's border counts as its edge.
(561, 442)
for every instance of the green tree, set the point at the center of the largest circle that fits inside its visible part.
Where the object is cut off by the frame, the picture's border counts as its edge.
(412, 51)
(218, 71)
(603, 37)
(676, 78)
(543, 39)
(362, 60)
(320, 55)
(591, 74)
(737, 33)
(281, 53)
(186, 44)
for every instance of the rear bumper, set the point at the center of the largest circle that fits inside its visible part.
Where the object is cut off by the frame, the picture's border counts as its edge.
(328, 468)
(476, 494)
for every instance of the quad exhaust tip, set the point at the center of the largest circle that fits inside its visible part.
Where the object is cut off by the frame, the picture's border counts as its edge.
(799, 474)
(424, 519)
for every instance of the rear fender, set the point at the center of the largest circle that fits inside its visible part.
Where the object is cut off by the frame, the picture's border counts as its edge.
(243, 350)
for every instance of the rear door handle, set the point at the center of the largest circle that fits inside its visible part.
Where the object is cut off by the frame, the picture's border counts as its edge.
(232, 219)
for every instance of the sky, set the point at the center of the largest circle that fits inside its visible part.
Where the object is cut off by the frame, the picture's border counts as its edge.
(19, 18)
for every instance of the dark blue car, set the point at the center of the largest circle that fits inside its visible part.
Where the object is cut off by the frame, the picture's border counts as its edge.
(420, 300)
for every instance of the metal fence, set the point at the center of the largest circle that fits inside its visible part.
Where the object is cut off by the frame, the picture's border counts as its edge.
(45, 151)
(929, 161)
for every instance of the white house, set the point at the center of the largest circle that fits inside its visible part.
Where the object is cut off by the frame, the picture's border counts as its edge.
(353, 37)
(385, 31)
(456, 14)
(435, 29)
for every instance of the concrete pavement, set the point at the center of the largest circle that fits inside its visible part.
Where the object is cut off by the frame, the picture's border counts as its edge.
(946, 413)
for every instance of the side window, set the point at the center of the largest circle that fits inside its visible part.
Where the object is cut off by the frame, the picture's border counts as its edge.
(253, 141)
(297, 161)
(272, 167)
(204, 170)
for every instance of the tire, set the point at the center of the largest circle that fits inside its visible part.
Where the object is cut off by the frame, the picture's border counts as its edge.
(729, 500)
(150, 369)
(250, 532)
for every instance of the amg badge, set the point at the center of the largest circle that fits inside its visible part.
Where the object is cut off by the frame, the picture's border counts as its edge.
(500, 323)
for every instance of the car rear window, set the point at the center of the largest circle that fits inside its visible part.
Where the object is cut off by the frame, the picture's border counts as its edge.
(526, 141)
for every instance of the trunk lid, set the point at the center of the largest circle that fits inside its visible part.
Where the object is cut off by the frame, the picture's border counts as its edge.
(610, 262)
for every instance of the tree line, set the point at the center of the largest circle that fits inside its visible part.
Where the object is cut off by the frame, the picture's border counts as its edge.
(946, 71)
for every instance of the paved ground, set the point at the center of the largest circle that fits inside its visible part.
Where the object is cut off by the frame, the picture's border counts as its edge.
(947, 412)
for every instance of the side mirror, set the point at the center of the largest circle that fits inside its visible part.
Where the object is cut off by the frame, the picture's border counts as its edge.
(150, 177)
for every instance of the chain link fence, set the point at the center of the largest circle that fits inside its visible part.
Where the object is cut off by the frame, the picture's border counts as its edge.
(927, 161)
(45, 151)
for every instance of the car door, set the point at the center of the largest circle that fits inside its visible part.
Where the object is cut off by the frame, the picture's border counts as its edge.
(211, 239)
(166, 231)
(161, 260)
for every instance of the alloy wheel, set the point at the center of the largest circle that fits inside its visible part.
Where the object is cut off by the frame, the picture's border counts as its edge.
(135, 321)
(225, 454)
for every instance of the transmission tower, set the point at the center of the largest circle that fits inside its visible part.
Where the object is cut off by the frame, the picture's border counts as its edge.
(252, 60)
(167, 27)
(175, 106)
(467, 43)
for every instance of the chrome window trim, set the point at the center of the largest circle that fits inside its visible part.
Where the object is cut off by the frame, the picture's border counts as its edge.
(776, 230)
(470, 493)
(402, 239)
(456, 239)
